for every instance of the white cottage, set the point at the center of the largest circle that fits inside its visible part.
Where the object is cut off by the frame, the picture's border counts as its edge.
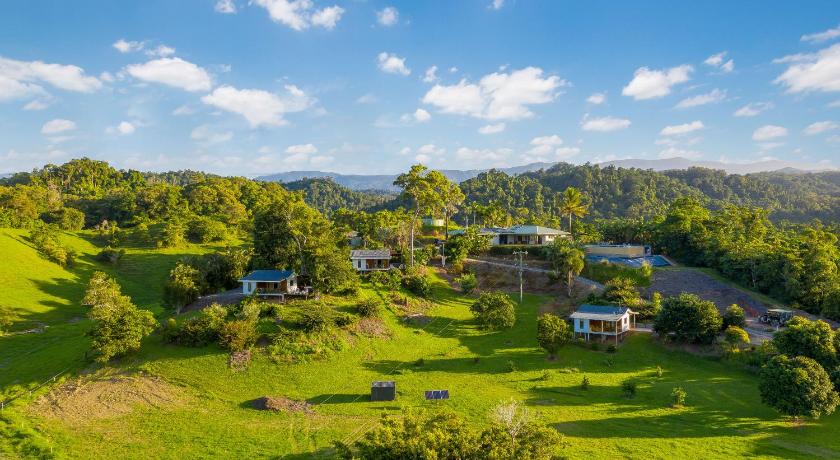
(603, 321)
(368, 260)
(270, 283)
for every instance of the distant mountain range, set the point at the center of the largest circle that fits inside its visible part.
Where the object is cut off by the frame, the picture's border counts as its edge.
(731, 168)
(385, 182)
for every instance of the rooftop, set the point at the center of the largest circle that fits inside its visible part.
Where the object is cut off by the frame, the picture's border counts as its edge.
(268, 275)
(602, 312)
(533, 230)
(370, 254)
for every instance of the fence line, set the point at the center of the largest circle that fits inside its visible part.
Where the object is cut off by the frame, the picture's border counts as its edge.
(29, 392)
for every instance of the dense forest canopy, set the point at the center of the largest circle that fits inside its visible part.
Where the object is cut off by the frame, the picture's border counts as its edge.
(325, 195)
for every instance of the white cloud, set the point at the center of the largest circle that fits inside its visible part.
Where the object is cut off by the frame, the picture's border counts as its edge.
(367, 99)
(327, 17)
(388, 16)
(300, 14)
(492, 129)
(711, 97)
(431, 149)
(675, 130)
(650, 84)
(124, 128)
(420, 158)
(497, 96)
(769, 132)
(597, 98)
(124, 46)
(497, 4)
(484, 157)
(431, 75)
(257, 106)
(208, 135)
(818, 71)
(183, 110)
(305, 149)
(161, 51)
(391, 63)
(37, 104)
(821, 127)
(419, 116)
(174, 72)
(753, 109)
(59, 125)
(225, 7)
(19, 79)
(823, 36)
(604, 124)
(718, 61)
(549, 148)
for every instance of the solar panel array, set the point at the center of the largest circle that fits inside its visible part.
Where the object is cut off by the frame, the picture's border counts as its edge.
(437, 394)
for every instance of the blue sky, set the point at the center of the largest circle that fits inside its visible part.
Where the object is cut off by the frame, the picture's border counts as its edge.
(261, 86)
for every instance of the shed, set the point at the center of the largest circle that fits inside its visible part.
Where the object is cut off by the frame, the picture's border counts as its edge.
(383, 390)
(269, 282)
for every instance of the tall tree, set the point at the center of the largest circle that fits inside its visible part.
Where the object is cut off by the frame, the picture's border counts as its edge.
(567, 260)
(573, 205)
(450, 197)
(418, 189)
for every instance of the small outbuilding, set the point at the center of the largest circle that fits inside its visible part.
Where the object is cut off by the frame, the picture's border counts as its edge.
(383, 391)
(368, 260)
(603, 321)
(270, 283)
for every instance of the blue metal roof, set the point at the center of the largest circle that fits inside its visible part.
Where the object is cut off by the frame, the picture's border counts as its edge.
(268, 275)
(601, 309)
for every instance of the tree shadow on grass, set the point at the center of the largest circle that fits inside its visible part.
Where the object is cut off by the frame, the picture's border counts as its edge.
(339, 398)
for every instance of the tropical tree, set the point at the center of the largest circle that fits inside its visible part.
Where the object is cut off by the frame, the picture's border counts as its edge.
(552, 333)
(494, 310)
(566, 260)
(418, 189)
(797, 387)
(688, 318)
(118, 325)
(572, 204)
(802, 337)
(182, 288)
(450, 197)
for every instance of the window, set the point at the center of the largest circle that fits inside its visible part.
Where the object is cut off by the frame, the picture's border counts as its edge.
(580, 324)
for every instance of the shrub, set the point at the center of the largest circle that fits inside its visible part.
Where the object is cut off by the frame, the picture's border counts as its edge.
(734, 316)
(418, 284)
(200, 330)
(295, 346)
(797, 387)
(494, 310)
(206, 230)
(110, 255)
(584, 385)
(659, 372)
(369, 308)
(343, 319)
(611, 348)
(182, 288)
(802, 337)
(735, 336)
(511, 366)
(316, 319)
(629, 388)
(172, 235)
(69, 219)
(420, 362)
(468, 282)
(5, 319)
(678, 397)
(688, 318)
(238, 335)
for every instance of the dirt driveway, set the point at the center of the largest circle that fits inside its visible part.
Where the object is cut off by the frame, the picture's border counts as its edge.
(674, 281)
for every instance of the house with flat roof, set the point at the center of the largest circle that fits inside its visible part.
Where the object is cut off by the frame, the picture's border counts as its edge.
(535, 235)
(368, 260)
(270, 283)
(603, 322)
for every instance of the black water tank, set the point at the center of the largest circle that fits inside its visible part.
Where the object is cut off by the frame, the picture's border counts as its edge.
(383, 391)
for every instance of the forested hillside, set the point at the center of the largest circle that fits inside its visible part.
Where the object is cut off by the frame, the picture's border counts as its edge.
(325, 195)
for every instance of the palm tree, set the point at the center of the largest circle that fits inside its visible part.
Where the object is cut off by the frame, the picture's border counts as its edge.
(567, 260)
(573, 205)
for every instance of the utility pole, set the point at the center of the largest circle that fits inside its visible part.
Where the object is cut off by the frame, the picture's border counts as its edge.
(520, 254)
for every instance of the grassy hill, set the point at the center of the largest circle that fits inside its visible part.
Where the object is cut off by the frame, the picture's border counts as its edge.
(176, 402)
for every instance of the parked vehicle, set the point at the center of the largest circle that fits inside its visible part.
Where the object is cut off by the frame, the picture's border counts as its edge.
(776, 317)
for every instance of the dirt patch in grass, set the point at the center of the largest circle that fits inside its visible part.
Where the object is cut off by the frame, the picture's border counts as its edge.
(372, 327)
(675, 281)
(282, 404)
(106, 396)
(417, 319)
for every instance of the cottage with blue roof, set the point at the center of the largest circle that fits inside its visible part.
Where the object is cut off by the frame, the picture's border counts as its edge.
(270, 283)
(603, 321)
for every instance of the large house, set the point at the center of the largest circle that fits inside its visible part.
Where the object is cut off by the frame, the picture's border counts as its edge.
(530, 235)
(602, 321)
(270, 283)
(368, 260)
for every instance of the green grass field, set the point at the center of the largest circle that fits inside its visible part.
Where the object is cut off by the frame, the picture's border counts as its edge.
(206, 409)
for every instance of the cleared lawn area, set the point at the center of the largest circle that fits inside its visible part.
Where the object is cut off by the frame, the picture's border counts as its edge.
(199, 408)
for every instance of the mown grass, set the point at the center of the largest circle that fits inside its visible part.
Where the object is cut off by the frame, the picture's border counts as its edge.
(723, 416)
